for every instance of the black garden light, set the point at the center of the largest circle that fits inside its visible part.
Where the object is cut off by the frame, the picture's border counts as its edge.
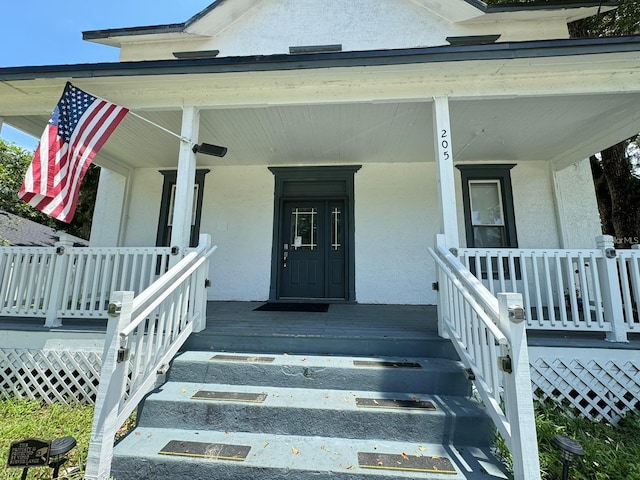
(569, 450)
(58, 453)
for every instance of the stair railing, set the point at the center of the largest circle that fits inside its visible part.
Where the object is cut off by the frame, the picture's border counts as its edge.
(143, 334)
(489, 335)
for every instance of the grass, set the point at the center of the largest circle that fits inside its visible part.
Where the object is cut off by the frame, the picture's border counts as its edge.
(611, 453)
(22, 419)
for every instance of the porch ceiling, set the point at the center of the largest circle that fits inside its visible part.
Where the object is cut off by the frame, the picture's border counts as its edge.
(557, 128)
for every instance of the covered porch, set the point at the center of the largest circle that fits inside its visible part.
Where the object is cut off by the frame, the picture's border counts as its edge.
(415, 129)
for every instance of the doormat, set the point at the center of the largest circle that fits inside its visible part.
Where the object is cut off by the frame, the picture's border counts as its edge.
(292, 307)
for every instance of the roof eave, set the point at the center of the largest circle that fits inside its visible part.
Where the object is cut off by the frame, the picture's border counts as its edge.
(550, 5)
(101, 36)
(445, 53)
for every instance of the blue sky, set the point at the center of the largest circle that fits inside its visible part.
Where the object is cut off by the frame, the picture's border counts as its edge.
(45, 32)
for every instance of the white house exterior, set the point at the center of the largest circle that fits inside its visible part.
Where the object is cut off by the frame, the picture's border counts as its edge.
(518, 91)
(358, 133)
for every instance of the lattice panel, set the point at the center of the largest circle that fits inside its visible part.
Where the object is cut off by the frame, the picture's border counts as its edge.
(601, 384)
(51, 375)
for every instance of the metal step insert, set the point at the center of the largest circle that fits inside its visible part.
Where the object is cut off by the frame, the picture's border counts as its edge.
(230, 396)
(392, 403)
(404, 462)
(382, 364)
(243, 358)
(217, 451)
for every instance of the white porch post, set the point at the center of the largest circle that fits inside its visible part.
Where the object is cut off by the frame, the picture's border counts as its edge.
(445, 172)
(185, 179)
(447, 195)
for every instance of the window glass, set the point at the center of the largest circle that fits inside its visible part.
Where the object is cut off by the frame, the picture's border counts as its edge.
(487, 213)
(304, 228)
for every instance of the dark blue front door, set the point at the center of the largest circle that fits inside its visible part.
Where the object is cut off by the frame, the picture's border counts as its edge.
(312, 258)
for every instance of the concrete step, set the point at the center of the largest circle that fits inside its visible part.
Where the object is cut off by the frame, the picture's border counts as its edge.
(351, 414)
(323, 344)
(272, 456)
(379, 374)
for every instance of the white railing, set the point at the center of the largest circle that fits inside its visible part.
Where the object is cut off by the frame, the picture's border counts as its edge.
(629, 271)
(63, 281)
(143, 334)
(592, 290)
(489, 335)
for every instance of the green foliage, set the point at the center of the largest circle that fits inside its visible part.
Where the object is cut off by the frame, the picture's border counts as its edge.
(611, 453)
(14, 162)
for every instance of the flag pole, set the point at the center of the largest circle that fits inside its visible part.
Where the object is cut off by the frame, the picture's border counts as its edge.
(186, 140)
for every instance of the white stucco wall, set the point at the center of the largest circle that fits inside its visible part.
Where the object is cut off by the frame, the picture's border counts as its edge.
(577, 206)
(533, 200)
(396, 216)
(396, 219)
(143, 208)
(271, 27)
(238, 213)
(108, 210)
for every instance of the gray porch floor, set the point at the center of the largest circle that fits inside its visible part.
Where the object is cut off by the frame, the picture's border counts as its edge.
(340, 322)
(353, 329)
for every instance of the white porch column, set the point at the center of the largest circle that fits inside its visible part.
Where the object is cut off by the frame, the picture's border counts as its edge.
(444, 167)
(185, 179)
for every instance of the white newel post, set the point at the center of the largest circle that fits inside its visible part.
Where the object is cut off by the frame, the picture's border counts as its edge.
(185, 180)
(610, 286)
(443, 292)
(113, 378)
(58, 281)
(200, 289)
(518, 397)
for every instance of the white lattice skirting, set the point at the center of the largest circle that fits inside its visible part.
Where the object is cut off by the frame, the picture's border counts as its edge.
(68, 376)
(602, 384)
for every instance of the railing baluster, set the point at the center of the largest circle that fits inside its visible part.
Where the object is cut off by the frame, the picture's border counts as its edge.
(627, 306)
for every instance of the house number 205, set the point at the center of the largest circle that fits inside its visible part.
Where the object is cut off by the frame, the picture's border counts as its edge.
(444, 144)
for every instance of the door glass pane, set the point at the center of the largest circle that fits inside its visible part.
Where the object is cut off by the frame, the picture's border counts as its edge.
(304, 229)
(336, 228)
(486, 202)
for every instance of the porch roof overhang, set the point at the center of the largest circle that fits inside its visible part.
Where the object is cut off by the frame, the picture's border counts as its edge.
(558, 100)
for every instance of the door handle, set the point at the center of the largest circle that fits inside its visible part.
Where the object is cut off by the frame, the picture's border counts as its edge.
(285, 255)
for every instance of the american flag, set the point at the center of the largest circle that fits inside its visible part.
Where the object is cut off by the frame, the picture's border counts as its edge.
(79, 126)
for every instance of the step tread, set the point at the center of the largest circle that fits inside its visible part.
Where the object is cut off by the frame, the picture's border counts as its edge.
(326, 361)
(321, 399)
(309, 454)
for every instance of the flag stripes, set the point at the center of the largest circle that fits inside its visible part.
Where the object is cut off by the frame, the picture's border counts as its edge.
(79, 127)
